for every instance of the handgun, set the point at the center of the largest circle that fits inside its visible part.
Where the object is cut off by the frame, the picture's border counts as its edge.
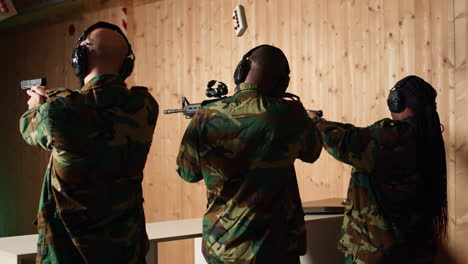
(28, 84)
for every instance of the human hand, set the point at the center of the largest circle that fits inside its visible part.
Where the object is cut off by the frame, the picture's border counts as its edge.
(315, 113)
(38, 96)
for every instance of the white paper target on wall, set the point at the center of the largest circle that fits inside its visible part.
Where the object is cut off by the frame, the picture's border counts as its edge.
(7, 9)
(238, 20)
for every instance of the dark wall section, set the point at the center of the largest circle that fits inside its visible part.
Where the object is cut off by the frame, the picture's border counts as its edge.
(40, 49)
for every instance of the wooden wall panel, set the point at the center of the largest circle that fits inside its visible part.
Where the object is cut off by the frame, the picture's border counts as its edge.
(344, 56)
(460, 217)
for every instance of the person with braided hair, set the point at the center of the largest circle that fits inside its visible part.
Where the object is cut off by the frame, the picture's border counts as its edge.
(396, 208)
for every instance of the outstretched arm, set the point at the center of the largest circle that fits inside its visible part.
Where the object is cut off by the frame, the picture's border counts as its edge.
(349, 144)
(34, 123)
(311, 143)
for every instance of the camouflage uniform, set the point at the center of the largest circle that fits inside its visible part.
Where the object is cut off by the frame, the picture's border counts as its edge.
(384, 219)
(91, 206)
(244, 147)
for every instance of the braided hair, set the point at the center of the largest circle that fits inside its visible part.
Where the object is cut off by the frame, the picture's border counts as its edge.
(420, 97)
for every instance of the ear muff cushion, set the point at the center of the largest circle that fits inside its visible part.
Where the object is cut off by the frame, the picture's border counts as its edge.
(80, 61)
(242, 70)
(283, 85)
(243, 67)
(127, 68)
(395, 101)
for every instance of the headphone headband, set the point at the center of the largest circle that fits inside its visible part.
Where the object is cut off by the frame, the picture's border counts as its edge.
(249, 53)
(243, 69)
(80, 57)
(396, 101)
(102, 24)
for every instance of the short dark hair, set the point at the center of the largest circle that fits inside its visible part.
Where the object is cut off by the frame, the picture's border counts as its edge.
(269, 56)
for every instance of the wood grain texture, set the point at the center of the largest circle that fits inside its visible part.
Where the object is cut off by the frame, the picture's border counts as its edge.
(460, 173)
(344, 56)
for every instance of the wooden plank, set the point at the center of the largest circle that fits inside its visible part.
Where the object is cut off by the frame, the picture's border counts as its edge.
(335, 87)
(314, 184)
(423, 38)
(406, 23)
(392, 38)
(347, 83)
(460, 216)
(327, 92)
(451, 146)
(296, 63)
(302, 33)
(378, 93)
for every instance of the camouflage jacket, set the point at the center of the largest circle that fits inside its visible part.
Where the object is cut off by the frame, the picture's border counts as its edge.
(384, 221)
(91, 205)
(244, 147)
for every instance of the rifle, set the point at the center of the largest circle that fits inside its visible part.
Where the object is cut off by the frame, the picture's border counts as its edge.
(189, 109)
(28, 84)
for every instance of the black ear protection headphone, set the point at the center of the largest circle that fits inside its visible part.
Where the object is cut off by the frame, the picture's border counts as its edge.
(243, 68)
(396, 101)
(80, 57)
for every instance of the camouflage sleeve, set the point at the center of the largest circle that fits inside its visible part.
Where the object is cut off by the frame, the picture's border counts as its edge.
(295, 218)
(188, 160)
(352, 145)
(153, 112)
(311, 143)
(35, 127)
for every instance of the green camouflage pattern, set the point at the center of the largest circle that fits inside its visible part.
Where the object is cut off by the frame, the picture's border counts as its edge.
(91, 205)
(349, 259)
(244, 147)
(383, 220)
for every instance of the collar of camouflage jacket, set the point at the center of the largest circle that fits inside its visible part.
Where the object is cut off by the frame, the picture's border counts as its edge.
(103, 80)
(246, 87)
(106, 90)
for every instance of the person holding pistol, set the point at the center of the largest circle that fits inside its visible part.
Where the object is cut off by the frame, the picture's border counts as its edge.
(244, 147)
(396, 209)
(91, 206)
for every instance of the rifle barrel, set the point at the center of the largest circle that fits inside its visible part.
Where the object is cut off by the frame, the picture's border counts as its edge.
(173, 111)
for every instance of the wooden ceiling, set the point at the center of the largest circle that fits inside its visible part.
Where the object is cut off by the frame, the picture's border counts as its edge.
(30, 11)
(22, 5)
